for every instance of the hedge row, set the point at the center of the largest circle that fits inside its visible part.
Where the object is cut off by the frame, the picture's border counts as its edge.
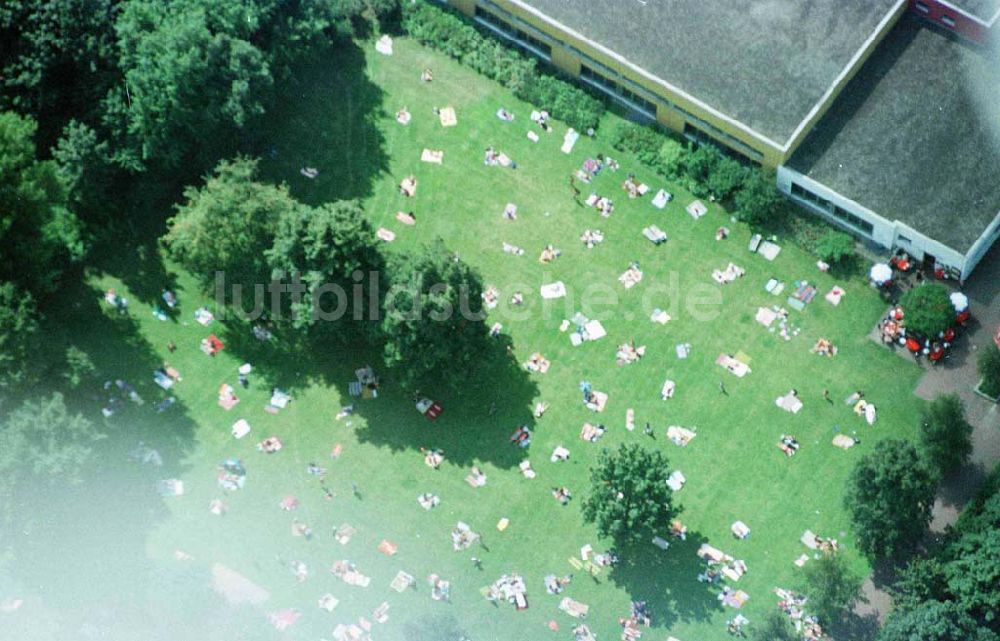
(445, 31)
(704, 171)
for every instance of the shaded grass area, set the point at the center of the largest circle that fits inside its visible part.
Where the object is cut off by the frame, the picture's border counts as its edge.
(115, 531)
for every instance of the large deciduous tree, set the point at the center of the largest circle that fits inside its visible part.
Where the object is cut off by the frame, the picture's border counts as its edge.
(973, 573)
(433, 319)
(192, 77)
(39, 235)
(18, 326)
(945, 434)
(332, 247)
(59, 55)
(227, 225)
(889, 496)
(629, 498)
(934, 621)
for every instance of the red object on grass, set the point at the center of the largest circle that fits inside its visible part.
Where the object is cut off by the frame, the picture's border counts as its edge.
(913, 345)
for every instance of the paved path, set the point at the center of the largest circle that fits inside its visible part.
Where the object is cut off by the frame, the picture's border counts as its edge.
(958, 375)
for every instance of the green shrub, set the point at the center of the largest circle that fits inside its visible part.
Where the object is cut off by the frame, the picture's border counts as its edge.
(642, 141)
(929, 310)
(670, 159)
(564, 101)
(834, 246)
(758, 201)
(726, 177)
(450, 34)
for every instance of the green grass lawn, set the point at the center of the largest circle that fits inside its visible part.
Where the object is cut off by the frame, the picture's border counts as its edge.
(734, 470)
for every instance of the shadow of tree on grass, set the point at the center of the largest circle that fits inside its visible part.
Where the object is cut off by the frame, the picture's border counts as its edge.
(668, 581)
(326, 120)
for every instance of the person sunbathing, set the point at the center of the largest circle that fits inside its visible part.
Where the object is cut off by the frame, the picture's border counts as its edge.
(433, 458)
(824, 347)
(788, 444)
(426, 75)
(521, 436)
(403, 116)
(561, 494)
(504, 115)
(517, 298)
(270, 445)
(408, 187)
(536, 363)
(549, 254)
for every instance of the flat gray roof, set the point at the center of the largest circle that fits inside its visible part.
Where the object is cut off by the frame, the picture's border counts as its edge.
(982, 9)
(915, 136)
(764, 63)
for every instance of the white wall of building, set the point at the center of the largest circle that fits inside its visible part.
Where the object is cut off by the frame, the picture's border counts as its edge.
(887, 233)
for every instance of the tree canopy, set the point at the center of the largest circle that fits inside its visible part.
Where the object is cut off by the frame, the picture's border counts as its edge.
(928, 309)
(39, 236)
(433, 317)
(889, 496)
(629, 498)
(934, 621)
(228, 224)
(60, 55)
(945, 434)
(42, 439)
(333, 248)
(18, 326)
(758, 202)
(834, 246)
(973, 573)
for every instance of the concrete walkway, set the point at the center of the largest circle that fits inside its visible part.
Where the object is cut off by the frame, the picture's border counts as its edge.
(958, 375)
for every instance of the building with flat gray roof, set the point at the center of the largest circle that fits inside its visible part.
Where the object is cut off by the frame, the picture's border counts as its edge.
(909, 154)
(765, 64)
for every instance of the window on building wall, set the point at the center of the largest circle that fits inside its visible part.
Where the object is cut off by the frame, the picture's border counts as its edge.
(617, 90)
(922, 8)
(527, 40)
(948, 21)
(854, 220)
(903, 239)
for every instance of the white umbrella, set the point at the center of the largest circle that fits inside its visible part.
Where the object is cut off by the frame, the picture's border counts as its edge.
(880, 273)
(960, 301)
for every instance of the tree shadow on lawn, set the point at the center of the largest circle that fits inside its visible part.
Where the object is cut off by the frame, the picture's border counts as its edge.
(668, 581)
(82, 547)
(466, 431)
(128, 246)
(855, 628)
(326, 119)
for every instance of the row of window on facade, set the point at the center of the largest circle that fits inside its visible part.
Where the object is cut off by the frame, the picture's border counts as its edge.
(852, 220)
